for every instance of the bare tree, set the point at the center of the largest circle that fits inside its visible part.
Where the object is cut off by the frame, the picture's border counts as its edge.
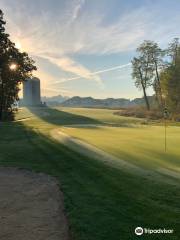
(142, 73)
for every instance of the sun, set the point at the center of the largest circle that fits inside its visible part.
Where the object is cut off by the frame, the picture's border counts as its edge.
(13, 66)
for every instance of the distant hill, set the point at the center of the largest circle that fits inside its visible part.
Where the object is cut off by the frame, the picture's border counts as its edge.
(102, 103)
(55, 100)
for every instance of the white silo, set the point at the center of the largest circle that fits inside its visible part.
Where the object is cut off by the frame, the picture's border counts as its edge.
(31, 92)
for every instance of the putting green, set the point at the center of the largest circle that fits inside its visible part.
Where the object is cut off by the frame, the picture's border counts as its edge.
(140, 144)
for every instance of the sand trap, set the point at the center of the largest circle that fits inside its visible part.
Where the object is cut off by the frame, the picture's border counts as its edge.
(31, 207)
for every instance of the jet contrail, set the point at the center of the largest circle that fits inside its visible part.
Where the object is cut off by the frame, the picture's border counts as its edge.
(94, 73)
(111, 69)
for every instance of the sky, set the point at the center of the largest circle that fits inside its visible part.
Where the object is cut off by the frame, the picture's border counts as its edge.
(85, 47)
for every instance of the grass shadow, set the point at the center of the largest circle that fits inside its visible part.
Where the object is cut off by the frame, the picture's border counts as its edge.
(59, 117)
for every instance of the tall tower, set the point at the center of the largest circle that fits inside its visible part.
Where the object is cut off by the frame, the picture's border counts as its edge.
(31, 92)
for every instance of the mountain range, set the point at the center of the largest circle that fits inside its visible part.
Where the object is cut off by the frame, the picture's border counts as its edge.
(94, 103)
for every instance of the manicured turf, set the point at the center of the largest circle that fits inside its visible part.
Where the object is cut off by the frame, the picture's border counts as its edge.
(102, 202)
(140, 144)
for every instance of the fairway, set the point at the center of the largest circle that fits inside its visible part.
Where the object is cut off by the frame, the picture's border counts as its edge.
(102, 201)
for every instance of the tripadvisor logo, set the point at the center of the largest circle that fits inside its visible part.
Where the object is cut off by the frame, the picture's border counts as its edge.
(139, 231)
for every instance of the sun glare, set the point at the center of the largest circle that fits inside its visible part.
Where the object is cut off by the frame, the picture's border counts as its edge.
(13, 66)
(18, 45)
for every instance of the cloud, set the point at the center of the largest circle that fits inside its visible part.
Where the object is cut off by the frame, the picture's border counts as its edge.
(112, 68)
(77, 9)
(68, 65)
(46, 87)
(43, 34)
(70, 32)
(56, 90)
(73, 28)
(95, 73)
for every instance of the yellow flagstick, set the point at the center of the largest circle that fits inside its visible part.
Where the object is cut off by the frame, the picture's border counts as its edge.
(165, 128)
(165, 139)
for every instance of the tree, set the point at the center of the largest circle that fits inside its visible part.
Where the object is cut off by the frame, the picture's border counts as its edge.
(142, 73)
(155, 55)
(15, 67)
(170, 78)
(146, 67)
(173, 49)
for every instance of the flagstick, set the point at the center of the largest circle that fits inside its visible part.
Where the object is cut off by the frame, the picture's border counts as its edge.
(165, 139)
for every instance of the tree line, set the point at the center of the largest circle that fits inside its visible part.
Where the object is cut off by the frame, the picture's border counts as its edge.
(15, 67)
(160, 69)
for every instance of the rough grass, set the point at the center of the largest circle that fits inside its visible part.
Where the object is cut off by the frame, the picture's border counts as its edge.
(102, 203)
(141, 112)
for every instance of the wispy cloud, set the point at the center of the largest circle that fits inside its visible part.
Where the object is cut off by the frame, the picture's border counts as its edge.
(70, 32)
(95, 73)
(68, 65)
(77, 9)
(112, 68)
(62, 34)
(59, 91)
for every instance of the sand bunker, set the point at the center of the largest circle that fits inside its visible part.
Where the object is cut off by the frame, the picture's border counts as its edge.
(31, 207)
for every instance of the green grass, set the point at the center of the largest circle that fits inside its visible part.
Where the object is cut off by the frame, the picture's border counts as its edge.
(102, 202)
(105, 116)
(139, 144)
(142, 146)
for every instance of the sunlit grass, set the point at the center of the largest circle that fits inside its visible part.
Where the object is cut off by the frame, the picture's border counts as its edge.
(143, 146)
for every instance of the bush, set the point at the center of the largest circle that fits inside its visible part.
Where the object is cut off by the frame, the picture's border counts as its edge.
(141, 112)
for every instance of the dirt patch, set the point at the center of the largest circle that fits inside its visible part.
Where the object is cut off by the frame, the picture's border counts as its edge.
(31, 207)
